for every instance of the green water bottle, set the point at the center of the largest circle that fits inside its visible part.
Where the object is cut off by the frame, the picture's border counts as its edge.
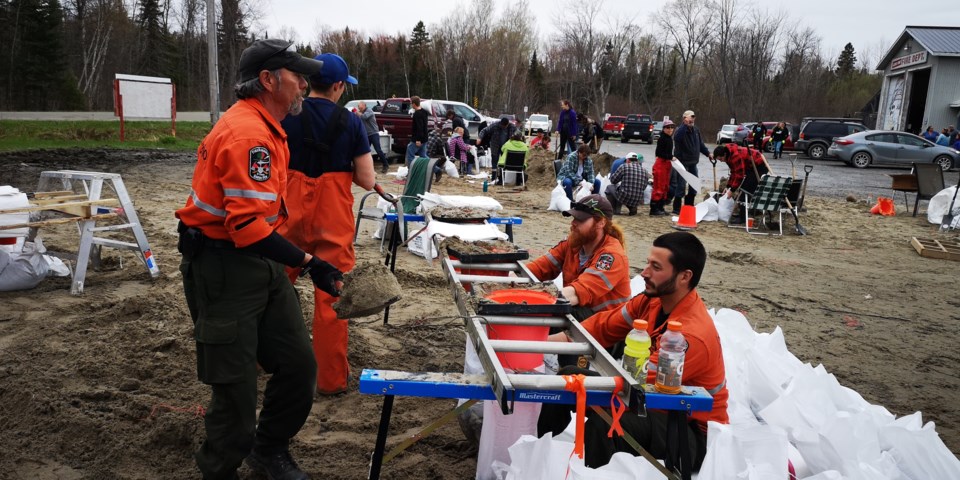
(637, 351)
(485, 185)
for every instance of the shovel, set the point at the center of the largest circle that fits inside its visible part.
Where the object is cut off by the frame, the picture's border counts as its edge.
(803, 193)
(716, 185)
(945, 224)
(796, 218)
(367, 289)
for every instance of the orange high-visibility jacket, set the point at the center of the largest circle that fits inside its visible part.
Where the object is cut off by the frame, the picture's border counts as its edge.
(703, 362)
(602, 283)
(240, 177)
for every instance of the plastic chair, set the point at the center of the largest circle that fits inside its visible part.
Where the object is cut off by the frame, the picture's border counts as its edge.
(419, 180)
(514, 162)
(766, 199)
(929, 182)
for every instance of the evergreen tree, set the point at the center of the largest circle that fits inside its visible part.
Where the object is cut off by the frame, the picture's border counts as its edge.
(154, 44)
(535, 80)
(847, 61)
(417, 51)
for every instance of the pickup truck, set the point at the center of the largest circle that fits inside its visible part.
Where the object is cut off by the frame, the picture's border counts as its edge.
(396, 117)
(637, 126)
(612, 126)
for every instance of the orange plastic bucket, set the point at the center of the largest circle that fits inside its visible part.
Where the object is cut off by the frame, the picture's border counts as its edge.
(512, 360)
(477, 271)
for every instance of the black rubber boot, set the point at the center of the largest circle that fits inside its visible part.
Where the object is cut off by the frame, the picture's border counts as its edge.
(689, 199)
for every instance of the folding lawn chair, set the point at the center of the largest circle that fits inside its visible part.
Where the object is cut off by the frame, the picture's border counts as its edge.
(419, 180)
(929, 182)
(514, 162)
(766, 200)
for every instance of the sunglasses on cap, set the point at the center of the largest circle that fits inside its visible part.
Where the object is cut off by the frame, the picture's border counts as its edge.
(582, 207)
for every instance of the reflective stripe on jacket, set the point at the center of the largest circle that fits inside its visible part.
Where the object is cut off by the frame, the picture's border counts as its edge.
(240, 177)
(602, 283)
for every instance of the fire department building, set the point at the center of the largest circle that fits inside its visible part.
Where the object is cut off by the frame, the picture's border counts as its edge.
(921, 84)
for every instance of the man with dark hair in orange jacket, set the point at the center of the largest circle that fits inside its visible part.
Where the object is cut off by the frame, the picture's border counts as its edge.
(674, 266)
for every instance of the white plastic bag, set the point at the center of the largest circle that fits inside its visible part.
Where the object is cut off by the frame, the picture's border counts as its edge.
(647, 194)
(940, 203)
(450, 169)
(604, 183)
(586, 188)
(707, 211)
(754, 452)
(725, 208)
(558, 200)
(401, 172)
(24, 270)
(419, 245)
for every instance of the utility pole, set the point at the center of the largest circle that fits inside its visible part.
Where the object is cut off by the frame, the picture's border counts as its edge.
(214, 84)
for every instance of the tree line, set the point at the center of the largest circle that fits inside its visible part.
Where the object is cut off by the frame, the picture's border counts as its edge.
(722, 58)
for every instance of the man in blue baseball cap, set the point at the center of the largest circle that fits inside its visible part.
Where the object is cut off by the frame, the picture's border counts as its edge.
(329, 151)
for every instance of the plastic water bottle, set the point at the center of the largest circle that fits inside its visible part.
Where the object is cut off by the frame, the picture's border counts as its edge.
(485, 186)
(637, 351)
(673, 348)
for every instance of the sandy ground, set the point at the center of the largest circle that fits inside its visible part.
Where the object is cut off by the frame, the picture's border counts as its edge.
(103, 385)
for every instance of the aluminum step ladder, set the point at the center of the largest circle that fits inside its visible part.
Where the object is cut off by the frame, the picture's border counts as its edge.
(506, 386)
(91, 184)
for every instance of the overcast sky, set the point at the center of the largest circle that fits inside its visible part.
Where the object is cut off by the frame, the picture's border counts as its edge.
(870, 25)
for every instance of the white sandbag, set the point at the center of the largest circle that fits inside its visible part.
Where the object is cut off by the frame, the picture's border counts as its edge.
(637, 286)
(467, 232)
(400, 173)
(585, 189)
(558, 200)
(604, 183)
(421, 243)
(708, 211)
(10, 198)
(500, 432)
(450, 169)
(919, 452)
(691, 179)
(24, 270)
(647, 194)
(939, 204)
(725, 208)
(429, 201)
(755, 452)
(549, 458)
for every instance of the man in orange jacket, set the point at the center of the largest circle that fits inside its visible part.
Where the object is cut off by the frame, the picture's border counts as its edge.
(592, 260)
(245, 312)
(329, 151)
(673, 270)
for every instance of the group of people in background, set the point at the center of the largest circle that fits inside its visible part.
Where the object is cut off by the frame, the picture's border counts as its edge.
(948, 136)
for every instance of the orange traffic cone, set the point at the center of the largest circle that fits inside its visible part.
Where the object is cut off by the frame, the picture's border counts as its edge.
(883, 207)
(688, 218)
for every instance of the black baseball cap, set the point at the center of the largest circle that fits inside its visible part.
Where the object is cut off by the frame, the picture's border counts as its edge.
(590, 206)
(271, 54)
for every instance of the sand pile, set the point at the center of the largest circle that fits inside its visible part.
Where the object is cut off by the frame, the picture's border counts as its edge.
(540, 171)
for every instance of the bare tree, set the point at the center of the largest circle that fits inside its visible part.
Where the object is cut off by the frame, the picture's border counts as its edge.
(686, 23)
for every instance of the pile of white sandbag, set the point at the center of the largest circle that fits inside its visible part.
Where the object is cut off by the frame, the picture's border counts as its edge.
(782, 411)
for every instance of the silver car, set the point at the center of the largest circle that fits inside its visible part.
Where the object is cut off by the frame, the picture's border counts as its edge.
(727, 134)
(882, 147)
(538, 122)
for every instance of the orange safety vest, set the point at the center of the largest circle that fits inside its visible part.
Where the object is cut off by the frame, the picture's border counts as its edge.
(240, 178)
(703, 363)
(602, 283)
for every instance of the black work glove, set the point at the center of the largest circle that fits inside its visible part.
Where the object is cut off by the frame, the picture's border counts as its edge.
(326, 277)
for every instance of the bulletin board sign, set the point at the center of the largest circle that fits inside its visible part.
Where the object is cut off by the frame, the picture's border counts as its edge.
(136, 96)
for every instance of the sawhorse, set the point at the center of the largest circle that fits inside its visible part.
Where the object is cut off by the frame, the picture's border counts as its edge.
(530, 388)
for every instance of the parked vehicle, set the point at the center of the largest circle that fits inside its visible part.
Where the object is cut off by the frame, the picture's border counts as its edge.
(657, 129)
(538, 122)
(749, 139)
(743, 130)
(396, 118)
(612, 126)
(726, 134)
(817, 133)
(637, 126)
(375, 105)
(883, 147)
(512, 118)
(788, 144)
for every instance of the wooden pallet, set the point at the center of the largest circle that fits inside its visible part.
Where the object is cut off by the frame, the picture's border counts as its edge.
(932, 248)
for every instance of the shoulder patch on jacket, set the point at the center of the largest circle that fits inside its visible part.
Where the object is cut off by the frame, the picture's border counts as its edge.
(604, 261)
(259, 161)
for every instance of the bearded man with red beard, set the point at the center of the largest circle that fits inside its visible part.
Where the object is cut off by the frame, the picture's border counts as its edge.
(592, 261)
(674, 266)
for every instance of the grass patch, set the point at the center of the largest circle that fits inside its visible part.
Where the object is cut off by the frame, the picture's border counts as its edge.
(34, 134)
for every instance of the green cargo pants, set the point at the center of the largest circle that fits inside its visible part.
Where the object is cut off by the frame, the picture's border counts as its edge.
(246, 312)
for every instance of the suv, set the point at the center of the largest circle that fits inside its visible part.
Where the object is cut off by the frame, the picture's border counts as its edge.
(817, 133)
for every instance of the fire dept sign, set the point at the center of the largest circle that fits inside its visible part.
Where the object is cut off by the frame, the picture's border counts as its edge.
(908, 60)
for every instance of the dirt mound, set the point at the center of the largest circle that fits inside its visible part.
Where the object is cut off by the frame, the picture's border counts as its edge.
(541, 173)
(367, 289)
